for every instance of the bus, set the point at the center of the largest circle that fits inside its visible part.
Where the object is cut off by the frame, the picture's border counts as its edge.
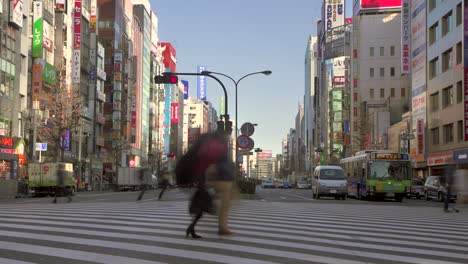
(378, 173)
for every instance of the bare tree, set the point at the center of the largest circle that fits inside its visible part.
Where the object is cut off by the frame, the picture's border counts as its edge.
(155, 157)
(63, 101)
(364, 127)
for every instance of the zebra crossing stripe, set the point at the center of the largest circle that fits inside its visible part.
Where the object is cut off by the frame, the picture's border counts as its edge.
(12, 261)
(327, 241)
(71, 254)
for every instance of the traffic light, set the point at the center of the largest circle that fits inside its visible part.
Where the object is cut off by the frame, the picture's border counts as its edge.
(172, 79)
(220, 126)
(228, 128)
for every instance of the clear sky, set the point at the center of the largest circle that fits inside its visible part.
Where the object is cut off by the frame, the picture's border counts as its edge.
(237, 37)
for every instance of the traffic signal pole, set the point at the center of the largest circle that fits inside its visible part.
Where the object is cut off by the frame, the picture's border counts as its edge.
(227, 123)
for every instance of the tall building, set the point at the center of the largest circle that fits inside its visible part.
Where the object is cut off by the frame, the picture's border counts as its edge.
(446, 108)
(311, 81)
(381, 86)
(196, 120)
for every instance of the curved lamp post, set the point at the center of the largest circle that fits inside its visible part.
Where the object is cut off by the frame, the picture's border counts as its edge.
(236, 83)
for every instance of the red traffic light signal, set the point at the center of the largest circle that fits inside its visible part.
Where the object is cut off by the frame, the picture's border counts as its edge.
(172, 79)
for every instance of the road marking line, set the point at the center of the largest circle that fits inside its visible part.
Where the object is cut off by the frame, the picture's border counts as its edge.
(307, 198)
(12, 261)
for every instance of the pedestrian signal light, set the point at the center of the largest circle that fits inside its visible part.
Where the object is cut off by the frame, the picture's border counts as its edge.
(228, 127)
(171, 79)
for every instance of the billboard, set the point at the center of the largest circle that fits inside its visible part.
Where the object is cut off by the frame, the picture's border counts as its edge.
(38, 21)
(36, 82)
(76, 67)
(201, 81)
(169, 56)
(265, 154)
(334, 13)
(16, 13)
(373, 5)
(49, 74)
(185, 83)
(405, 36)
(418, 72)
(336, 72)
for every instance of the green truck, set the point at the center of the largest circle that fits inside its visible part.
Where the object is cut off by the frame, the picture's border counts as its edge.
(43, 178)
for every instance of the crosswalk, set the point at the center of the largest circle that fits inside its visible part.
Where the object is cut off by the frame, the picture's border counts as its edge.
(154, 232)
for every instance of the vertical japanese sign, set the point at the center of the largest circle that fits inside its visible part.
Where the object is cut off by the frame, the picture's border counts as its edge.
(174, 113)
(186, 88)
(37, 30)
(36, 82)
(334, 14)
(201, 91)
(420, 137)
(76, 43)
(405, 36)
(465, 80)
(92, 17)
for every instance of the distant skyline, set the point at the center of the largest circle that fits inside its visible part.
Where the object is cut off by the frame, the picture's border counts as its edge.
(240, 37)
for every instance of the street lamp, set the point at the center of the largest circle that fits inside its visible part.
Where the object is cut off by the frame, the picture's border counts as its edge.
(236, 83)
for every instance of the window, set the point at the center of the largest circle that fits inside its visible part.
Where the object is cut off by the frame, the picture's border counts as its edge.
(372, 93)
(392, 50)
(433, 33)
(432, 5)
(382, 92)
(459, 92)
(403, 92)
(446, 57)
(435, 136)
(371, 51)
(459, 14)
(392, 71)
(382, 51)
(447, 23)
(382, 72)
(433, 68)
(447, 97)
(371, 72)
(460, 135)
(459, 52)
(392, 92)
(448, 133)
(434, 102)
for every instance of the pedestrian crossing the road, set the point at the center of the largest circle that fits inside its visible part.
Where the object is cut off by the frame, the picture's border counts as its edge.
(154, 232)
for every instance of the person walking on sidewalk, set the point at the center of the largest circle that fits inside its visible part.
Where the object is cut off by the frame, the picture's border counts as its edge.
(166, 175)
(145, 182)
(449, 183)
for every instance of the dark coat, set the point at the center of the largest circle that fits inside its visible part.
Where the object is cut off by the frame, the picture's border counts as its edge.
(202, 202)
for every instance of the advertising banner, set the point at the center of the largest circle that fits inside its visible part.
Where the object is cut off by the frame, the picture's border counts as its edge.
(49, 75)
(334, 11)
(92, 17)
(174, 113)
(185, 83)
(221, 106)
(465, 78)
(335, 72)
(37, 29)
(201, 80)
(418, 75)
(16, 13)
(265, 154)
(36, 81)
(76, 67)
(48, 36)
(405, 36)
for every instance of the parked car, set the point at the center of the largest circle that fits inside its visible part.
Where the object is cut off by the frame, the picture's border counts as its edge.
(329, 181)
(436, 188)
(278, 184)
(303, 185)
(268, 184)
(287, 184)
(417, 189)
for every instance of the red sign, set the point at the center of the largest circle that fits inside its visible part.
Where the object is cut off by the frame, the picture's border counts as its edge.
(36, 81)
(174, 113)
(45, 168)
(440, 158)
(169, 55)
(77, 25)
(6, 142)
(133, 118)
(378, 4)
(420, 131)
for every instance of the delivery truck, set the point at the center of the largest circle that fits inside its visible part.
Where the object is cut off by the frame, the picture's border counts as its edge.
(43, 178)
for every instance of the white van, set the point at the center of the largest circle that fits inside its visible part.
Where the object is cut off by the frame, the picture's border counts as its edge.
(329, 181)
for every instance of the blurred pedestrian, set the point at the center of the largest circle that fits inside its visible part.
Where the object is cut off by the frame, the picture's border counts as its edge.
(164, 184)
(220, 175)
(144, 181)
(61, 189)
(449, 184)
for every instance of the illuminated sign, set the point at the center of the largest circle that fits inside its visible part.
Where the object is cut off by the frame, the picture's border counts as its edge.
(391, 156)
